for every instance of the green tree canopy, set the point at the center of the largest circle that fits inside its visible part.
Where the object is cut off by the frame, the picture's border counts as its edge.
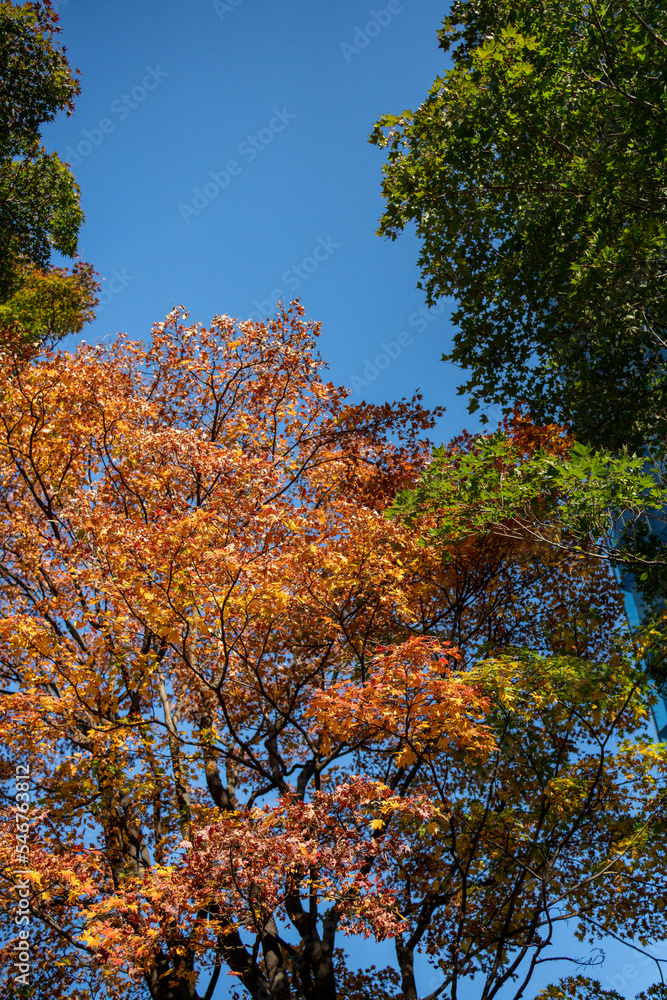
(39, 197)
(536, 485)
(535, 172)
(49, 305)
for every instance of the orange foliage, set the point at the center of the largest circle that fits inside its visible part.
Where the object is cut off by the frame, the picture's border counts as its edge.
(225, 668)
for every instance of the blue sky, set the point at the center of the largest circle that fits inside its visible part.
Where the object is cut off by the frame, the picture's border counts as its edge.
(221, 148)
(222, 152)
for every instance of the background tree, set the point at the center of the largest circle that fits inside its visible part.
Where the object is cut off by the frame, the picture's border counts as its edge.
(258, 714)
(538, 486)
(39, 198)
(48, 306)
(535, 173)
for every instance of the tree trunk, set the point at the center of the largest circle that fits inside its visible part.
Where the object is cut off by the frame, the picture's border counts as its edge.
(406, 963)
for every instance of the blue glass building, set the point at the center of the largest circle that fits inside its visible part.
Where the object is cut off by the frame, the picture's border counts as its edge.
(635, 610)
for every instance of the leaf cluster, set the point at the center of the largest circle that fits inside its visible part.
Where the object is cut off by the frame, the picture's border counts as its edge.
(39, 197)
(535, 175)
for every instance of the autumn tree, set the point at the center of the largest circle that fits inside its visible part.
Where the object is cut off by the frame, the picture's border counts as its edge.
(534, 172)
(257, 714)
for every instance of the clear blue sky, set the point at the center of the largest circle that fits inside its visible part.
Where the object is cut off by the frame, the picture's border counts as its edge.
(221, 148)
(286, 93)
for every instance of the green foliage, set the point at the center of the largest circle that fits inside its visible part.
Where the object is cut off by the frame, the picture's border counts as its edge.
(535, 173)
(49, 305)
(39, 198)
(587, 495)
(583, 501)
(562, 819)
(35, 82)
